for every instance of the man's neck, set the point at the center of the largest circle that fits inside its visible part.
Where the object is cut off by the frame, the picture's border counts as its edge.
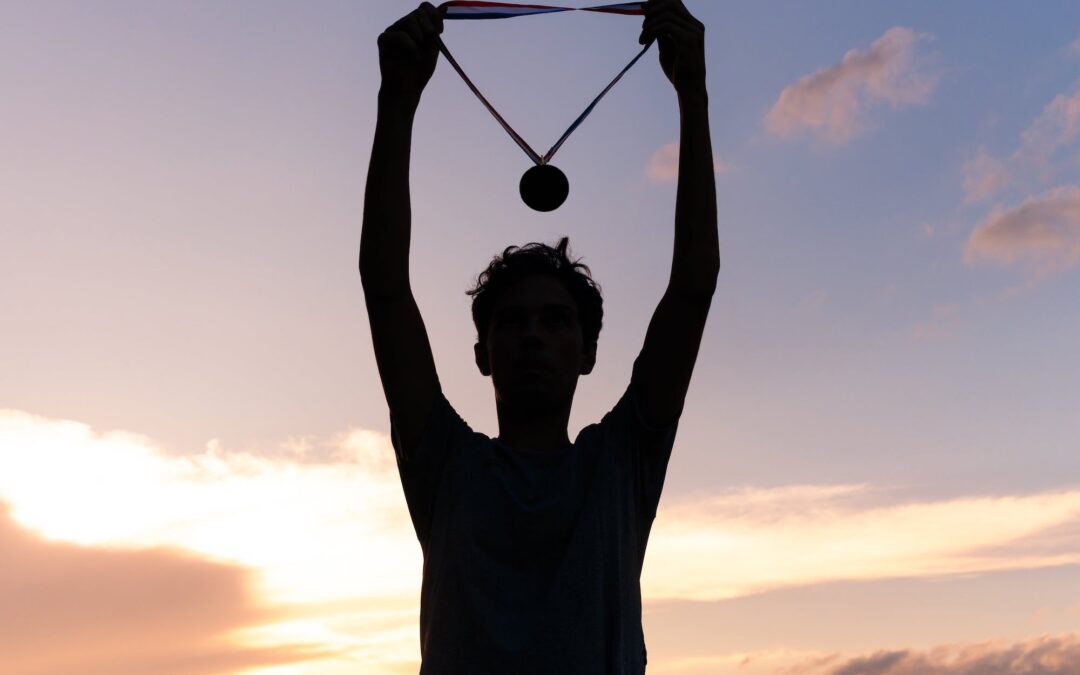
(535, 429)
(546, 443)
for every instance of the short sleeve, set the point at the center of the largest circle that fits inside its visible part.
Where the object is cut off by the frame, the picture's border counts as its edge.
(422, 471)
(646, 449)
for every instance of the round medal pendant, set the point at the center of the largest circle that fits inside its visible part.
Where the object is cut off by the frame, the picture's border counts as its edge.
(544, 187)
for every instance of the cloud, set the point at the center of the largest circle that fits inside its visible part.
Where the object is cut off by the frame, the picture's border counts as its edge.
(832, 101)
(229, 505)
(1054, 130)
(68, 608)
(749, 541)
(1046, 655)
(664, 164)
(1073, 49)
(760, 662)
(305, 520)
(1043, 232)
(1058, 655)
(983, 176)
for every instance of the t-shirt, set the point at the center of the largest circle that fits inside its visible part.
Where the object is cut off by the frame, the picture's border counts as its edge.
(532, 559)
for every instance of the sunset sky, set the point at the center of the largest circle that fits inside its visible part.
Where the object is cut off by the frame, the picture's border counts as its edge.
(877, 469)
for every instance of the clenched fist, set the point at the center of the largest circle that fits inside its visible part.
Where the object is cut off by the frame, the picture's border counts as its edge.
(408, 53)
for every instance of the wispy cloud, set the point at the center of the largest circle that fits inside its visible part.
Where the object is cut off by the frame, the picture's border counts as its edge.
(1058, 655)
(663, 166)
(758, 662)
(1073, 49)
(327, 504)
(833, 101)
(1055, 128)
(1047, 655)
(744, 542)
(1043, 232)
(983, 176)
(1035, 159)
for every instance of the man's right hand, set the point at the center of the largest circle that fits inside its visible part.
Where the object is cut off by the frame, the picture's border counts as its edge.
(408, 53)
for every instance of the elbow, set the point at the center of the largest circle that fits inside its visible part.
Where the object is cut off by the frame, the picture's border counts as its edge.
(699, 291)
(699, 284)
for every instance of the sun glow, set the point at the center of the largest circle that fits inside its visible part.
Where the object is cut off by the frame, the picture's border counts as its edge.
(315, 530)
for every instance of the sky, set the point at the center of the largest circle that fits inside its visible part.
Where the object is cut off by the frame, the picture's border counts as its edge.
(877, 469)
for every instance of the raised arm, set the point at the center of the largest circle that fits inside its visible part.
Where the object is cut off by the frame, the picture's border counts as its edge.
(407, 56)
(674, 334)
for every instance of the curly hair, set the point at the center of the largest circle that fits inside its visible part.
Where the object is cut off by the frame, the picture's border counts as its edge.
(516, 263)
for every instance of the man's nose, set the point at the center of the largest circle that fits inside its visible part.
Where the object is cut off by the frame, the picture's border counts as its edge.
(531, 328)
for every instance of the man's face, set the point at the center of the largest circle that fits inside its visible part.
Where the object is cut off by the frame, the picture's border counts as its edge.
(534, 348)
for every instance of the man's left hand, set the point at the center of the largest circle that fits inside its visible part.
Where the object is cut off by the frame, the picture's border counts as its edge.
(682, 44)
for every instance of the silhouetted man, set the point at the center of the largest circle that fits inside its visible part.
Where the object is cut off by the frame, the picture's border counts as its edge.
(533, 545)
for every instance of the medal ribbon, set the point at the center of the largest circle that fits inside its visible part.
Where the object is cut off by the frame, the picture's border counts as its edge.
(473, 9)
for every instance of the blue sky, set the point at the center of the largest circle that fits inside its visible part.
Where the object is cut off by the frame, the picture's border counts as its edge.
(181, 211)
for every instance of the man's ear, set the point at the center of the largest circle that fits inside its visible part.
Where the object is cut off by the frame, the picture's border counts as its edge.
(480, 353)
(590, 359)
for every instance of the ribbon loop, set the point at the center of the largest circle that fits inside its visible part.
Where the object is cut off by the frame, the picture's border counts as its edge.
(473, 9)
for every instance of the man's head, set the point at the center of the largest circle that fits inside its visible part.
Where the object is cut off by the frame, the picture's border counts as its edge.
(534, 305)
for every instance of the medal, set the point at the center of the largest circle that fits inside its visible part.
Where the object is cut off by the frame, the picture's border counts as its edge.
(543, 187)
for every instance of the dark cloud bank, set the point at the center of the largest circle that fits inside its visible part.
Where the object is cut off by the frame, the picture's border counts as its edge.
(1042, 656)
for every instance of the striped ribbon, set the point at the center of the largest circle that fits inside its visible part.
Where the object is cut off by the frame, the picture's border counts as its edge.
(465, 9)
(472, 9)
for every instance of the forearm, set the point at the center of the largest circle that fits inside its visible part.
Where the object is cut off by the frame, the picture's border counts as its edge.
(696, 260)
(384, 241)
